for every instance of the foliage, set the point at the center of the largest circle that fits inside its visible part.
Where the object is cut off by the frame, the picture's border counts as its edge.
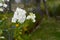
(16, 31)
(57, 11)
(52, 6)
(49, 30)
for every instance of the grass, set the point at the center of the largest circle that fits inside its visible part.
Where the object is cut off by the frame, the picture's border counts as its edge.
(49, 30)
(6, 19)
(6, 24)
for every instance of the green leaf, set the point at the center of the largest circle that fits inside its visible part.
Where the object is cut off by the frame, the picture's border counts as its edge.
(1, 31)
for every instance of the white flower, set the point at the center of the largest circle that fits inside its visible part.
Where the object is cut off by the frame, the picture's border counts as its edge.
(34, 20)
(1, 9)
(5, 5)
(20, 15)
(1, 4)
(31, 16)
(2, 37)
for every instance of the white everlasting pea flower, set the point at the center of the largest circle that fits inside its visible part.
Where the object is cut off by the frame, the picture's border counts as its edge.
(19, 15)
(5, 5)
(1, 9)
(31, 16)
(1, 4)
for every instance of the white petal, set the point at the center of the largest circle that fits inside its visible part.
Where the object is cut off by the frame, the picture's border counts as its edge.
(1, 4)
(15, 15)
(22, 19)
(14, 20)
(21, 11)
(20, 15)
(34, 20)
(28, 17)
(1, 9)
(5, 5)
(31, 16)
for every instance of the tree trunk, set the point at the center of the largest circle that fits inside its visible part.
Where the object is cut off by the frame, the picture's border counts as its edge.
(46, 8)
(9, 4)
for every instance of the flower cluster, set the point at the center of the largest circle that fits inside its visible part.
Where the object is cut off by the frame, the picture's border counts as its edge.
(3, 5)
(20, 16)
(32, 17)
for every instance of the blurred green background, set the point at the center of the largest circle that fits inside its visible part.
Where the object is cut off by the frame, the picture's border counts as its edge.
(49, 28)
